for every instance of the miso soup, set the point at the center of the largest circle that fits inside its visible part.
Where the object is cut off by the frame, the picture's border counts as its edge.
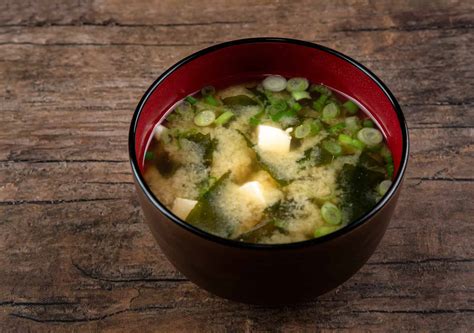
(276, 161)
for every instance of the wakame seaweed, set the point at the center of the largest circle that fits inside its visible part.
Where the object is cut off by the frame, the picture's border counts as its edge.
(206, 216)
(358, 184)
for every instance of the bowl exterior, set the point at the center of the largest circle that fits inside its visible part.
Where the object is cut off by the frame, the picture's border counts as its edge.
(266, 276)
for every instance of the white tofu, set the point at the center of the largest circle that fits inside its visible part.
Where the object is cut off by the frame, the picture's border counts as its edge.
(273, 139)
(182, 207)
(159, 129)
(254, 190)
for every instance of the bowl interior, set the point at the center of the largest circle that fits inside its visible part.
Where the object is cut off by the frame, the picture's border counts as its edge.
(245, 60)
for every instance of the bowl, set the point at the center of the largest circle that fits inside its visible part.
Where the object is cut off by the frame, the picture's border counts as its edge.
(261, 273)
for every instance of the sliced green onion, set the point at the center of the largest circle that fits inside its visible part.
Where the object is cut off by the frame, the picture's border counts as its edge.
(209, 99)
(278, 105)
(208, 90)
(283, 114)
(302, 130)
(390, 170)
(350, 107)
(204, 118)
(315, 126)
(224, 118)
(297, 84)
(149, 156)
(368, 123)
(298, 95)
(357, 144)
(386, 154)
(332, 147)
(184, 107)
(370, 136)
(325, 230)
(294, 105)
(330, 111)
(337, 128)
(191, 100)
(323, 90)
(344, 139)
(352, 123)
(384, 186)
(331, 214)
(274, 83)
(319, 104)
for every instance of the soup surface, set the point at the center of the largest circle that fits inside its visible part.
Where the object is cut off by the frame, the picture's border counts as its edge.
(275, 161)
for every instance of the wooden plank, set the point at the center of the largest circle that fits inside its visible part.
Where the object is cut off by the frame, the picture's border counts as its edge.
(343, 14)
(126, 279)
(76, 254)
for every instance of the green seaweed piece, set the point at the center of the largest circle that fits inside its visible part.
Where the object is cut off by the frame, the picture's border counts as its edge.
(357, 184)
(239, 100)
(274, 219)
(261, 231)
(166, 165)
(206, 216)
(316, 156)
(273, 173)
(205, 141)
(260, 95)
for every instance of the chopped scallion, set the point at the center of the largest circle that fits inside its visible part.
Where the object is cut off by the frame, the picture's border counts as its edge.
(302, 130)
(209, 99)
(315, 126)
(370, 136)
(352, 124)
(330, 111)
(337, 128)
(274, 83)
(319, 104)
(350, 107)
(344, 139)
(224, 118)
(325, 230)
(332, 147)
(299, 95)
(323, 90)
(204, 118)
(191, 100)
(283, 114)
(331, 213)
(390, 170)
(278, 106)
(357, 144)
(297, 84)
(368, 123)
(294, 105)
(384, 186)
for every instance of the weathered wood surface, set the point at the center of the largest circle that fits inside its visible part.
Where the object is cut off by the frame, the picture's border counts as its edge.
(75, 254)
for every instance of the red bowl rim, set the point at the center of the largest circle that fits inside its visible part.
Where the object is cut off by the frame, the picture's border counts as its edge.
(238, 244)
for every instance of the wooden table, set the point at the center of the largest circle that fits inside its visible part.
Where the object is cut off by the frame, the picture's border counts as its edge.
(75, 253)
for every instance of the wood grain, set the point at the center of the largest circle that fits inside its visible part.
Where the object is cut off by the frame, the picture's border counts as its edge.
(76, 255)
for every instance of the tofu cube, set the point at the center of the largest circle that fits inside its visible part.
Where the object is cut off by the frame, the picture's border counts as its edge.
(273, 139)
(254, 190)
(182, 207)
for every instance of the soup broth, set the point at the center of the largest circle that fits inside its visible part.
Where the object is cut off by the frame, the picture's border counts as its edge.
(275, 161)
